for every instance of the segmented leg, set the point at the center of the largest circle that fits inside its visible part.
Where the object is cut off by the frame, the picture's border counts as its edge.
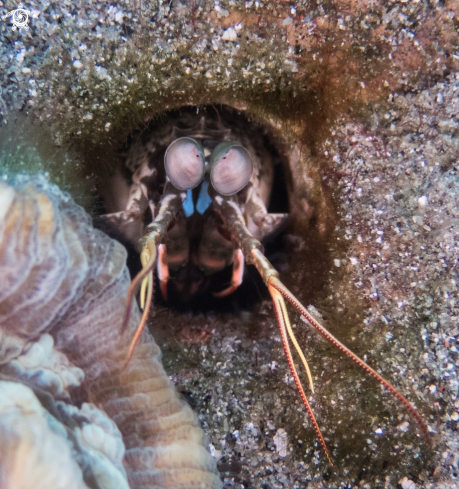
(120, 218)
(137, 202)
(148, 262)
(238, 274)
(252, 249)
(283, 320)
(169, 205)
(163, 270)
(146, 311)
(278, 285)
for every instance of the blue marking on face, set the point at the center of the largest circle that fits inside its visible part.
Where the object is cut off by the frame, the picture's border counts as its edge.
(187, 204)
(204, 200)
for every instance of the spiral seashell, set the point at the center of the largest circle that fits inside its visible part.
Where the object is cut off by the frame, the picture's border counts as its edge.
(69, 412)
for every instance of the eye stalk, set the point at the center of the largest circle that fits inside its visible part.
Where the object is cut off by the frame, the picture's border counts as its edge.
(231, 168)
(184, 162)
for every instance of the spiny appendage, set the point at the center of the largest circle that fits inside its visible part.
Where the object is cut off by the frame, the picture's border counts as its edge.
(275, 283)
(146, 311)
(284, 326)
(145, 277)
(237, 276)
(170, 203)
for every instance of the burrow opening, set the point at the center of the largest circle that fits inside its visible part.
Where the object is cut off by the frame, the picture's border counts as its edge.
(149, 143)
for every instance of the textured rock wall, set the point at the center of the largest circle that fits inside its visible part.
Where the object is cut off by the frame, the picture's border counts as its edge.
(95, 72)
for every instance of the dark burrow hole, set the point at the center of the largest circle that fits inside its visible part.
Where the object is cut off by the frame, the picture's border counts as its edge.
(149, 144)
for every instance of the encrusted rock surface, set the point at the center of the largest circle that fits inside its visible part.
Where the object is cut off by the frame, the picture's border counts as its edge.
(87, 68)
(392, 296)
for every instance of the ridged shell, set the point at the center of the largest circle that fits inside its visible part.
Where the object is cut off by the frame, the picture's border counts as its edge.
(62, 297)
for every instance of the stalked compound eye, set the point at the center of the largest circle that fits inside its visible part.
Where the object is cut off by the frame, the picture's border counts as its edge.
(232, 168)
(184, 162)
